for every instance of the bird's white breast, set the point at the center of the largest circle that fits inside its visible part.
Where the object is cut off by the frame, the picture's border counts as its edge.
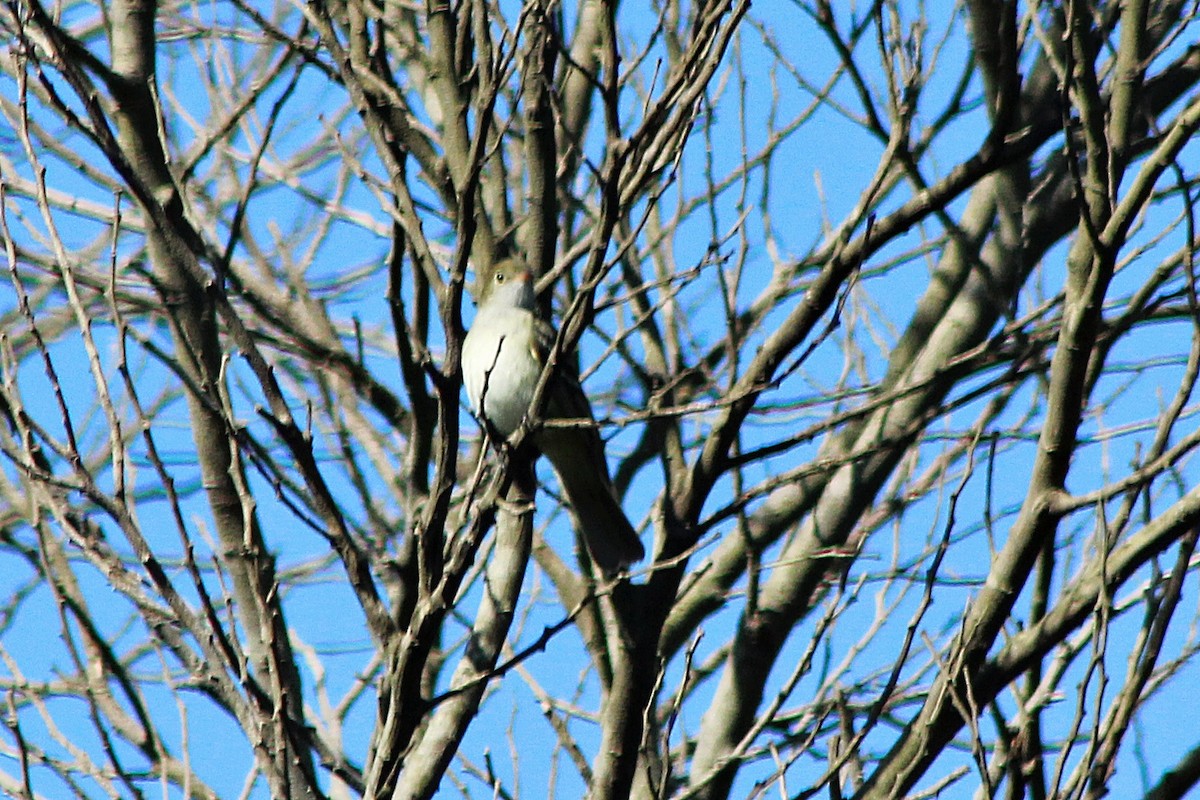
(511, 371)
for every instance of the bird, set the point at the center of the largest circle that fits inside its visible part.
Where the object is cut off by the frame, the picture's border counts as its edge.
(503, 356)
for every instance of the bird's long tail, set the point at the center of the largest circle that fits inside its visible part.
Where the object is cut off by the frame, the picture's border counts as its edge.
(577, 456)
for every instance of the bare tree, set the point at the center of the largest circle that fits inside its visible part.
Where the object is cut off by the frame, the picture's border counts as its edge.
(888, 316)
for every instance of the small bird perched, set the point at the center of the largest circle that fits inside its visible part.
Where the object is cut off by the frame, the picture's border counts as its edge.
(502, 360)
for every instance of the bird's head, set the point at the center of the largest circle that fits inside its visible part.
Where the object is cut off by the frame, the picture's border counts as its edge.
(509, 283)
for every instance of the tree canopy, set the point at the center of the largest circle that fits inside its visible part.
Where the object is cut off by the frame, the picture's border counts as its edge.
(887, 315)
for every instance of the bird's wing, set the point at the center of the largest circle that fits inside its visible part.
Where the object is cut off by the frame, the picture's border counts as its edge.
(567, 398)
